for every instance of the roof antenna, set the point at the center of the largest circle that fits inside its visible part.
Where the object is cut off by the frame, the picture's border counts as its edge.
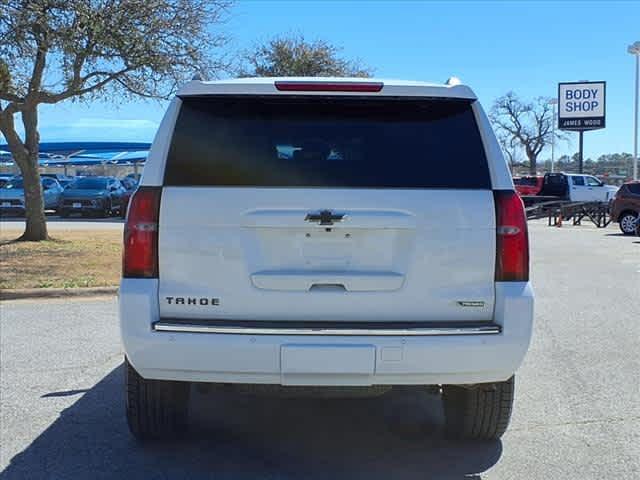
(453, 81)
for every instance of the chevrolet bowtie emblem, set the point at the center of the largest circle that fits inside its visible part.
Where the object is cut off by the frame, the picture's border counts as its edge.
(324, 217)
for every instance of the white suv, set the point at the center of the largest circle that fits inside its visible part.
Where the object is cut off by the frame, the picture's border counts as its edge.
(327, 233)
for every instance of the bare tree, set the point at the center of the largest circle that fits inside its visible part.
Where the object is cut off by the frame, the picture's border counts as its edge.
(527, 123)
(54, 50)
(293, 55)
(509, 148)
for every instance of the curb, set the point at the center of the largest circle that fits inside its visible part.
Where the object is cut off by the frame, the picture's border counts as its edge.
(22, 293)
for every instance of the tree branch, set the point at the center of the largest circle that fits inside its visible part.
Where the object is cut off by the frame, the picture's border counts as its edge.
(46, 97)
(131, 89)
(76, 80)
(10, 97)
(38, 69)
(7, 127)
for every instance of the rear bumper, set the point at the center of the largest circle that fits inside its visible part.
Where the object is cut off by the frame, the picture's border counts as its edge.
(326, 329)
(356, 358)
(83, 209)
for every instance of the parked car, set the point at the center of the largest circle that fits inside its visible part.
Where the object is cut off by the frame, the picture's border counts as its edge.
(12, 195)
(134, 176)
(625, 207)
(58, 176)
(4, 179)
(528, 185)
(358, 261)
(100, 196)
(130, 185)
(63, 180)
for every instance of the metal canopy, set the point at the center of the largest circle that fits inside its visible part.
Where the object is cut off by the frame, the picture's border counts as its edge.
(60, 154)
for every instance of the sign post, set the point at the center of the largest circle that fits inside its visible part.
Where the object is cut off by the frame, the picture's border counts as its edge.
(581, 107)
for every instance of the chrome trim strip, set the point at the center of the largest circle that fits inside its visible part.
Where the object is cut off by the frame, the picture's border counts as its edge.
(386, 332)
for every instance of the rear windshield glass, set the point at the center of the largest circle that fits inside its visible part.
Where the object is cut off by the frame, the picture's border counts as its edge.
(17, 184)
(312, 142)
(89, 184)
(528, 181)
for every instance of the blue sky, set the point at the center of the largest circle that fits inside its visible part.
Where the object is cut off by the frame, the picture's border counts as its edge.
(494, 47)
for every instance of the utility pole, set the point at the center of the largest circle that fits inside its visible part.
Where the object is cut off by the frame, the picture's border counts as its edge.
(553, 102)
(635, 50)
(580, 153)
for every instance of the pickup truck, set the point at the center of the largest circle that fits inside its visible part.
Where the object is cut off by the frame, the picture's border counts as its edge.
(305, 233)
(528, 185)
(572, 187)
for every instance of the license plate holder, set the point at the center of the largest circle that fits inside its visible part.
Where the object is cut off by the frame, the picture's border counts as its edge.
(314, 364)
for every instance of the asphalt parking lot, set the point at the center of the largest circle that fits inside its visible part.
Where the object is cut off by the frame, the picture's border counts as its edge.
(577, 412)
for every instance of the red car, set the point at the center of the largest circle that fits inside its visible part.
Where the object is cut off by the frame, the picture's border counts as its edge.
(528, 185)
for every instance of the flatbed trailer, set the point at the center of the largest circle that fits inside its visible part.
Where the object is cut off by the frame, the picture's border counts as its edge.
(530, 200)
(558, 211)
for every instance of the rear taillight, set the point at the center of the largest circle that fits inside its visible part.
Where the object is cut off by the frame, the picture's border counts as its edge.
(303, 86)
(140, 256)
(512, 239)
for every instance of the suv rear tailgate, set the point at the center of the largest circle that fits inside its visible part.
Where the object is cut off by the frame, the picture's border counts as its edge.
(422, 256)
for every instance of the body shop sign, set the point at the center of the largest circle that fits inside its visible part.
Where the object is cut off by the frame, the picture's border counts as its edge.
(581, 105)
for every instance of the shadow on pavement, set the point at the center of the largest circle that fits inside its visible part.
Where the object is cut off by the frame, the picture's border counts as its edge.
(65, 393)
(237, 436)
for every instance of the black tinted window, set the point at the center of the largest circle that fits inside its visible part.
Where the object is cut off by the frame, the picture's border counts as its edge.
(634, 188)
(17, 183)
(529, 181)
(302, 142)
(89, 184)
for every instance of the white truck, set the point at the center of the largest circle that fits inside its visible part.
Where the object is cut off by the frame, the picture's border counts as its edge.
(573, 187)
(311, 232)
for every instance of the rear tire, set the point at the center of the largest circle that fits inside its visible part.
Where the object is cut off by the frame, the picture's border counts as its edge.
(627, 223)
(479, 413)
(156, 409)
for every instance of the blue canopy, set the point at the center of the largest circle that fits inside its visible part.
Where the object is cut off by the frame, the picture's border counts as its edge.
(60, 154)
